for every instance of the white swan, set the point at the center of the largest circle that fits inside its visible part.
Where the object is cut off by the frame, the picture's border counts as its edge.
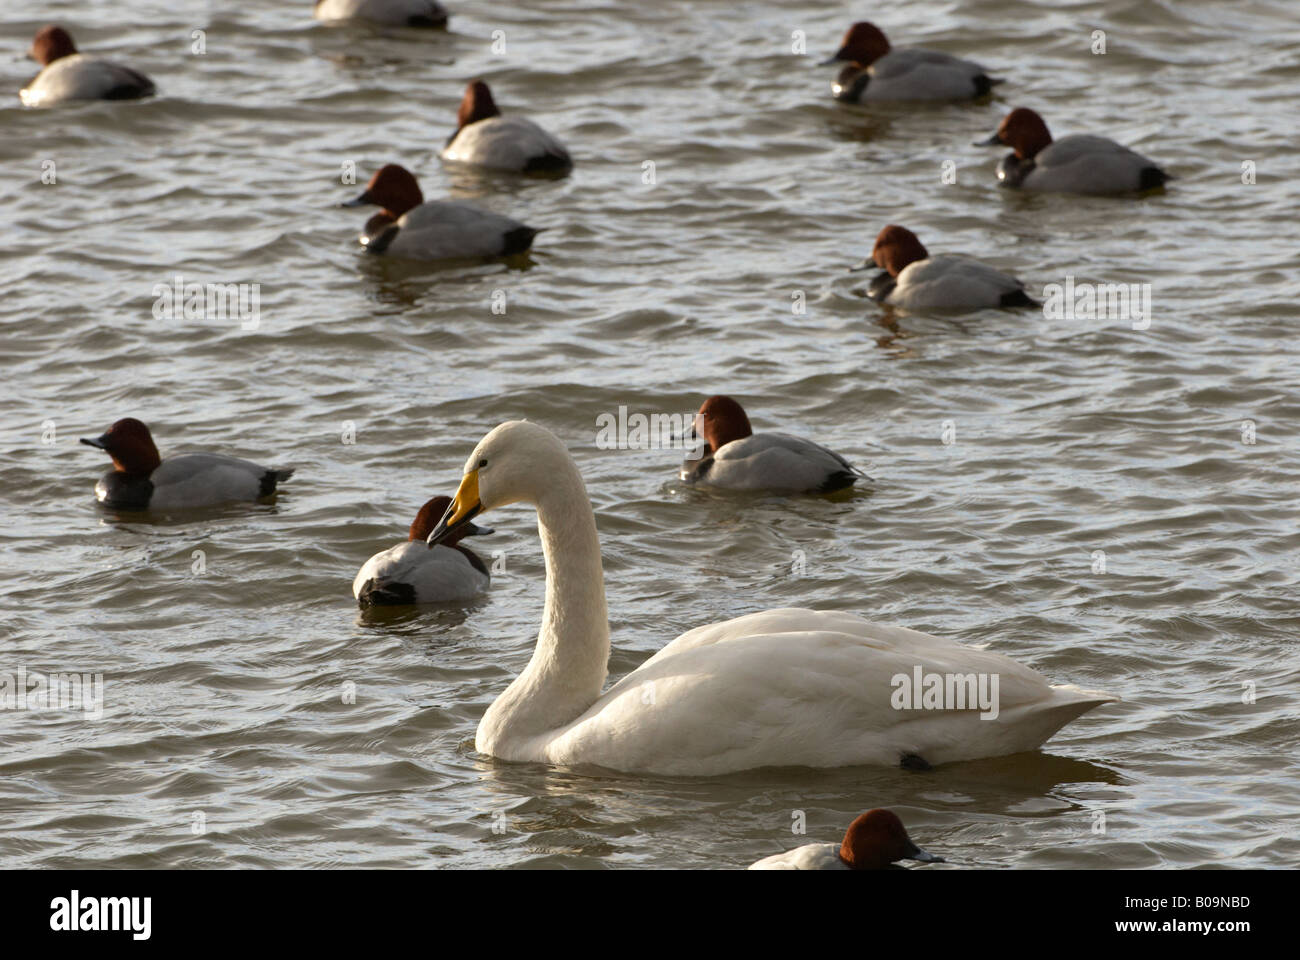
(778, 688)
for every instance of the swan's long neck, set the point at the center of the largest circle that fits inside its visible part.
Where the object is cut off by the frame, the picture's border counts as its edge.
(569, 665)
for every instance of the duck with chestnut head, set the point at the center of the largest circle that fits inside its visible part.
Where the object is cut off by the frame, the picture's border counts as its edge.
(408, 226)
(414, 572)
(68, 75)
(875, 840)
(734, 457)
(874, 70)
(142, 480)
(913, 279)
(1079, 163)
(485, 138)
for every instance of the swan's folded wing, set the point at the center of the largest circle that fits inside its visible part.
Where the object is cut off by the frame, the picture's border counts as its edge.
(806, 688)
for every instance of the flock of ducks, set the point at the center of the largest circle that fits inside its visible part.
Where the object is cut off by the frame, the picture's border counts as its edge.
(784, 687)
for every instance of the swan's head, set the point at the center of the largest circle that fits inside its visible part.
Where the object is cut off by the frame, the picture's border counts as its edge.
(510, 464)
(876, 839)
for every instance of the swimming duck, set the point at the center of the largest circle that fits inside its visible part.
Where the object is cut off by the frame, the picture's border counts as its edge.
(876, 71)
(788, 687)
(414, 572)
(736, 458)
(141, 480)
(874, 841)
(486, 138)
(912, 278)
(437, 230)
(1079, 163)
(68, 75)
(388, 13)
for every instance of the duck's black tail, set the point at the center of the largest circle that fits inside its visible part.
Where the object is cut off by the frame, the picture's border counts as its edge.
(385, 593)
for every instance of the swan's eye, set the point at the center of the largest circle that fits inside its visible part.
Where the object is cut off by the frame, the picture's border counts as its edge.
(482, 463)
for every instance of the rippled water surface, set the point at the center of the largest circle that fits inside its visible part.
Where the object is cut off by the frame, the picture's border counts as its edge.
(222, 696)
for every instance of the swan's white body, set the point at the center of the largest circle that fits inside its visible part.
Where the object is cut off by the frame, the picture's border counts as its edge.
(80, 77)
(390, 13)
(811, 856)
(506, 143)
(452, 229)
(914, 74)
(947, 282)
(200, 480)
(1079, 163)
(434, 575)
(778, 688)
(771, 461)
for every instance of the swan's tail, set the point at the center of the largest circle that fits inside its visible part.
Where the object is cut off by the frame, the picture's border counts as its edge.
(1069, 702)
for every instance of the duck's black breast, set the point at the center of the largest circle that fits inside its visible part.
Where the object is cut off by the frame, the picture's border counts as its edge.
(693, 471)
(124, 490)
(1012, 170)
(881, 286)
